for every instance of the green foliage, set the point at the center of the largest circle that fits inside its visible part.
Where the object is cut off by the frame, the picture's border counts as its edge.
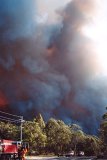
(8, 131)
(40, 121)
(33, 134)
(105, 116)
(103, 132)
(55, 136)
(75, 127)
(92, 145)
(58, 136)
(77, 139)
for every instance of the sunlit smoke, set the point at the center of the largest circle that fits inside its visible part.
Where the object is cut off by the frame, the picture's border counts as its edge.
(96, 30)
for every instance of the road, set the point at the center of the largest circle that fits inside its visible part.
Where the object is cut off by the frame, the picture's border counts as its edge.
(60, 158)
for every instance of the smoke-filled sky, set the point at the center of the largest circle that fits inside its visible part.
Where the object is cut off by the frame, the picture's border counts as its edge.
(53, 59)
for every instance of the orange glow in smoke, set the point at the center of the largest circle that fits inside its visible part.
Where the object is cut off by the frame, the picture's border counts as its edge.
(3, 100)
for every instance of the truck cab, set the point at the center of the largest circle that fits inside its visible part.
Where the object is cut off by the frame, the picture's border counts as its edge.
(11, 150)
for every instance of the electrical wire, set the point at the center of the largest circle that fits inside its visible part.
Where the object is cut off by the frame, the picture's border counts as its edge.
(9, 118)
(3, 119)
(10, 114)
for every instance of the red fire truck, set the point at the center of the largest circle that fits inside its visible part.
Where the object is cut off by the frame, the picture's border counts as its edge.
(11, 150)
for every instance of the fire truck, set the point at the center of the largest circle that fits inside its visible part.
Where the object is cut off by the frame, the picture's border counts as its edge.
(11, 150)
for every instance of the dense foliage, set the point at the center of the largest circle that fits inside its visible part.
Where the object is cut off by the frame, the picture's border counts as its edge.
(56, 137)
(103, 132)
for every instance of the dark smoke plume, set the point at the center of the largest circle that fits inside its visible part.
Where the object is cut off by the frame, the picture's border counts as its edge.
(50, 69)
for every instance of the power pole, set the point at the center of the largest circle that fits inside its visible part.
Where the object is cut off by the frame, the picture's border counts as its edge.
(17, 119)
(21, 128)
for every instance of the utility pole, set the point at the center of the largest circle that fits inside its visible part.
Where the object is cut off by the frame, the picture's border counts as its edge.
(7, 117)
(17, 119)
(21, 128)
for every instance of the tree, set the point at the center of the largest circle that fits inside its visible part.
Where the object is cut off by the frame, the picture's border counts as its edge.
(58, 136)
(92, 145)
(103, 131)
(8, 131)
(40, 121)
(63, 137)
(78, 137)
(33, 134)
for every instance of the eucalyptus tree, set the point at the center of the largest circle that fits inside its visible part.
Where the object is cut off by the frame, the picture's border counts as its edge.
(92, 145)
(78, 138)
(33, 134)
(58, 136)
(8, 131)
(103, 132)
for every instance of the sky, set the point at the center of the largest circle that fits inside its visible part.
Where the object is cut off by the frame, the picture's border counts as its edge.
(53, 60)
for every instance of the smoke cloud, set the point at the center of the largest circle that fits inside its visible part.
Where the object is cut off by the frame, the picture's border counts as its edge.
(50, 68)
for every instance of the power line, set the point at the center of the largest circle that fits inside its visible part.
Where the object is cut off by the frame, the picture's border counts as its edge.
(7, 119)
(10, 114)
(10, 118)
(3, 119)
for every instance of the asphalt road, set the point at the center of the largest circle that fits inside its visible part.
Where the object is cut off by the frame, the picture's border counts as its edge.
(60, 158)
